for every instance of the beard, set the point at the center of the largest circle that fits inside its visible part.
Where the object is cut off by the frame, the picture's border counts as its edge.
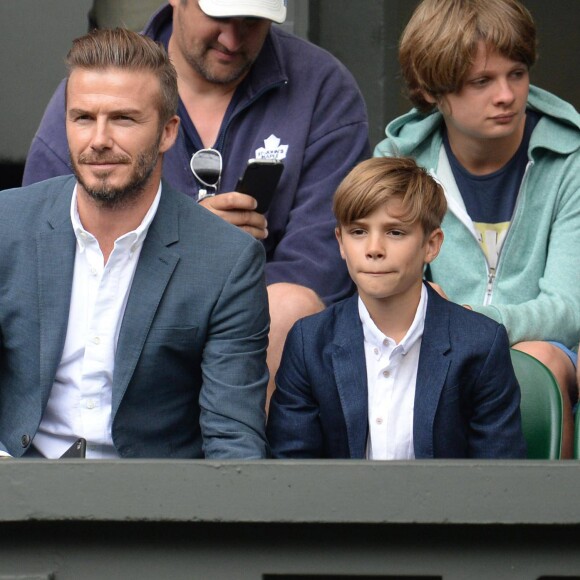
(203, 68)
(108, 195)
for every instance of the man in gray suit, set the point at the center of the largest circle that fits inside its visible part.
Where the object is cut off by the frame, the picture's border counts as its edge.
(129, 315)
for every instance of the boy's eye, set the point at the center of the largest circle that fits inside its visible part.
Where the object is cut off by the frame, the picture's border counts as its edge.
(357, 232)
(396, 233)
(518, 74)
(479, 82)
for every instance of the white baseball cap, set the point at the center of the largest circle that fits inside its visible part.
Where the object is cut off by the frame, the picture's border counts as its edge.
(270, 9)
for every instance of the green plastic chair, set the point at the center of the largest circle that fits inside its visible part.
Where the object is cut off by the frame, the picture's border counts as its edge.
(577, 437)
(541, 406)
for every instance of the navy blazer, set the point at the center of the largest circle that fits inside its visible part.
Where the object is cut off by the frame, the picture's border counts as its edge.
(190, 366)
(466, 400)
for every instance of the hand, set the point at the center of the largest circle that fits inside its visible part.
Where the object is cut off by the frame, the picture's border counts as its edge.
(438, 289)
(238, 209)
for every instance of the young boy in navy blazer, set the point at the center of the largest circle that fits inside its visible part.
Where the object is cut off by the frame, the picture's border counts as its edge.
(395, 371)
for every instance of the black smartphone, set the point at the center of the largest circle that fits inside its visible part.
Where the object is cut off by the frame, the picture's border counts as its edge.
(260, 180)
(78, 450)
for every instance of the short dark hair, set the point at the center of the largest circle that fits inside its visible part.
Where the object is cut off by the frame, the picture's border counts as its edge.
(124, 49)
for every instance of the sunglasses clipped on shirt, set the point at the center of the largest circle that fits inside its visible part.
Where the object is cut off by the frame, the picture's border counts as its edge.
(206, 166)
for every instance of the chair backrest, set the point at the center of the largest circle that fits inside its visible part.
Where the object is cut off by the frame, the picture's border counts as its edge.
(577, 438)
(541, 406)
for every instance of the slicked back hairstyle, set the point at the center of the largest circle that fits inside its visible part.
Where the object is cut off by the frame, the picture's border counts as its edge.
(439, 44)
(376, 181)
(123, 49)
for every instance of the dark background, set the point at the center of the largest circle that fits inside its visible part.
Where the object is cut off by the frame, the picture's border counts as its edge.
(35, 35)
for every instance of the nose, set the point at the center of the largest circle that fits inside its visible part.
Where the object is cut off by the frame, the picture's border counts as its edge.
(233, 31)
(375, 249)
(505, 93)
(101, 137)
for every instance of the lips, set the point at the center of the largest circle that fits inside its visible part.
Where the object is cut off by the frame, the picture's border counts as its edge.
(115, 161)
(504, 117)
(223, 50)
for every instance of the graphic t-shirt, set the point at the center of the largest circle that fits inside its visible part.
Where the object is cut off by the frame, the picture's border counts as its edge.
(490, 199)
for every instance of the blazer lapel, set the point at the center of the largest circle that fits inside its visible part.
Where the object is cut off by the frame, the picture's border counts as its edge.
(154, 270)
(348, 360)
(55, 265)
(431, 373)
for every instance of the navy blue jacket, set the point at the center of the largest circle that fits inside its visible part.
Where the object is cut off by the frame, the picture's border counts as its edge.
(467, 399)
(307, 107)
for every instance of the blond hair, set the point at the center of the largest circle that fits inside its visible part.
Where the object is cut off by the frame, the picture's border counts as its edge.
(376, 181)
(124, 49)
(439, 44)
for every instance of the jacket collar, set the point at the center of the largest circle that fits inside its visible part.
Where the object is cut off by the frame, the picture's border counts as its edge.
(55, 263)
(348, 360)
(56, 254)
(431, 373)
(157, 263)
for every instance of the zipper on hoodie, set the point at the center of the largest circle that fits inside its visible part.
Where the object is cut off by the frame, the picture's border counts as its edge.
(492, 272)
(224, 129)
(490, 281)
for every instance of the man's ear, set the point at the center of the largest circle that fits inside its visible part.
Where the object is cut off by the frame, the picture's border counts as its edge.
(169, 134)
(433, 245)
(338, 234)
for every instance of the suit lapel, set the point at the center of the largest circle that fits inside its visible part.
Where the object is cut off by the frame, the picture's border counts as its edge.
(348, 360)
(55, 264)
(431, 373)
(154, 270)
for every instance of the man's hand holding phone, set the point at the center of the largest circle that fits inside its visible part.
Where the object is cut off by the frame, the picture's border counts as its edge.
(239, 209)
(254, 191)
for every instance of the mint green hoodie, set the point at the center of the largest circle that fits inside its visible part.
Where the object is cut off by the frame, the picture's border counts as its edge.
(535, 290)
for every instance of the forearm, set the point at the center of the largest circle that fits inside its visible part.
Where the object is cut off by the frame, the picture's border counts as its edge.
(235, 374)
(495, 425)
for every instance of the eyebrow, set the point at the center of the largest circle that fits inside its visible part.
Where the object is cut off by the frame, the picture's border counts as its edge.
(486, 70)
(128, 112)
(394, 222)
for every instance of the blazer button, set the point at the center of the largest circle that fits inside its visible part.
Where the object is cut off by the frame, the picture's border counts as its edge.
(25, 440)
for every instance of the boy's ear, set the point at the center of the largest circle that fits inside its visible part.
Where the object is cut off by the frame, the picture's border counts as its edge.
(338, 234)
(433, 245)
(429, 98)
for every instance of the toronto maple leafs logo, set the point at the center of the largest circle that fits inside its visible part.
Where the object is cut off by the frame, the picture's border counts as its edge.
(272, 149)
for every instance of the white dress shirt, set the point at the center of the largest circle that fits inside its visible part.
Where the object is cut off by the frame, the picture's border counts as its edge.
(80, 401)
(391, 379)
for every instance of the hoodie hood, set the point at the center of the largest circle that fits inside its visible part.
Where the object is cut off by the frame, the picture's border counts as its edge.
(420, 136)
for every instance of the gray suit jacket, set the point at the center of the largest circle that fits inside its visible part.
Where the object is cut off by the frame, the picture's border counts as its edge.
(190, 367)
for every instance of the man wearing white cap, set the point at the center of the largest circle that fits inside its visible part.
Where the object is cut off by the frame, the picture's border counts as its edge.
(274, 10)
(252, 90)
